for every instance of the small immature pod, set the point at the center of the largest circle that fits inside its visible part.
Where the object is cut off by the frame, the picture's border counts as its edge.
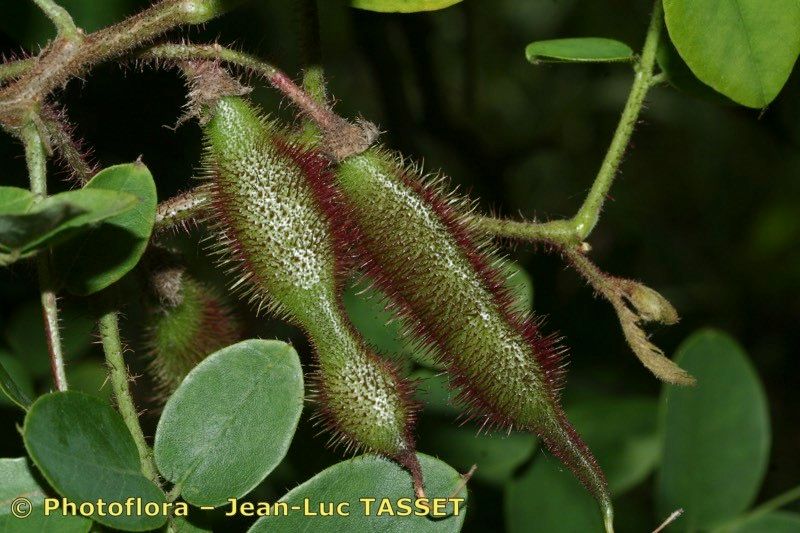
(279, 229)
(418, 245)
(190, 323)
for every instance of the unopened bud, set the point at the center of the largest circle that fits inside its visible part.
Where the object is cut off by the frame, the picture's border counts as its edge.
(651, 306)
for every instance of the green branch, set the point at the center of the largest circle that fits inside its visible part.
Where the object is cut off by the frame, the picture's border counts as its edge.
(67, 58)
(14, 69)
(112, 346)
(181, 209)
(65, 146)
(319, 112)
(574, 230)
(558, 232)
(61, 19)
(188, 52)
(36, 159)
(589, 213)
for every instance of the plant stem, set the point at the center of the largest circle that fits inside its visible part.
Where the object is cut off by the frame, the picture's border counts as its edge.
(185, 52)
(180, 209)
(555, 232)
(320, 114)
(589, 213)
(65, 146)
(51, 328)
(112, 346)
(13, 69)
(60, 18)
(574, 230)
(36, 159)
(350, 138)
(66, 58)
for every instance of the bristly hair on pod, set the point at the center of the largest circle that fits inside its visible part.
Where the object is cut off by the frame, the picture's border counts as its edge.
(446, 278)
(325, 418)
(455, 212)
(317, 171)
(277, 228)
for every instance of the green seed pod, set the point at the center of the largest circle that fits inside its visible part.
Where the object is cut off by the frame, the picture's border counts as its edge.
(280, 230)
(190, 323)
(419, 247)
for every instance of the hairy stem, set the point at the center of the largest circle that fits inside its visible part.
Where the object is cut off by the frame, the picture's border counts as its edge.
(558, 232)
(66, 147)
(61, 19)
(187, 52)
(36, 159)
(66, 58)
(586, 218)
(112, 346)
(180, 209)
(306, 103)
(574, 230)
(14, 69)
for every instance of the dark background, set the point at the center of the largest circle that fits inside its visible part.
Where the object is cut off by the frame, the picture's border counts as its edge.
(704, 209)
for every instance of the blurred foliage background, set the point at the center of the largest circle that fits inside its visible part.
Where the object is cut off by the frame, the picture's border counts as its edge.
(705, 209)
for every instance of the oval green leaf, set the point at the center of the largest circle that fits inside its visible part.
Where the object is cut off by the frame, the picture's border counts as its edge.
(14, 391)
(84, 450)
(369, 476)
(17, 481)
(622, 433)
(181, 525)
(744, 49)
(103, 255)
(578, 50)
(26, 226)
(716, 435)
(14, 200)
(547, 497)
(680, 76)
(231, 421)
(402, 6)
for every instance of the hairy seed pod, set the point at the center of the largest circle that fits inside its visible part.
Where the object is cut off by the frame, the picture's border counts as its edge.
(447, 280)
(190, 323)
(280, 230)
